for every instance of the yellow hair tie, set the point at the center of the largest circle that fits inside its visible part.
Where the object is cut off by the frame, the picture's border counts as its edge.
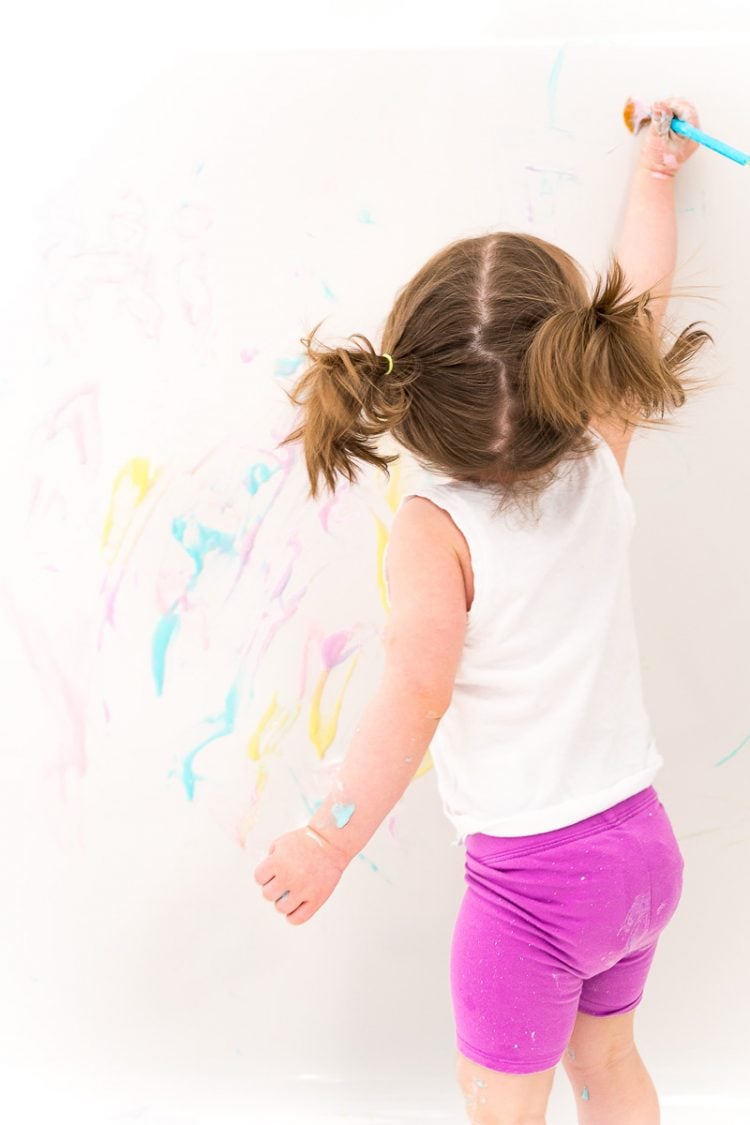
(390, 360)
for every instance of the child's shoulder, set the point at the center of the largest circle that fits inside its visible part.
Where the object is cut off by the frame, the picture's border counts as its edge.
(617, 438)
(421, 526)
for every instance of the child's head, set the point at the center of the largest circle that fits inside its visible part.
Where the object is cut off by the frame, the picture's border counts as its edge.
(500, 362)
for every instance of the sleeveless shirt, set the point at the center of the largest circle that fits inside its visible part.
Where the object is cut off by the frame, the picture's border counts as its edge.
(547, 724)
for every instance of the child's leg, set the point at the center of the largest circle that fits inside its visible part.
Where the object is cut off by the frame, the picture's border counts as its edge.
(610, 1083)
(495, 1098)
(556, 924)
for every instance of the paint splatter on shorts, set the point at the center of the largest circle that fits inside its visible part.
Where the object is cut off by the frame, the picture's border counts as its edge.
(556, 923)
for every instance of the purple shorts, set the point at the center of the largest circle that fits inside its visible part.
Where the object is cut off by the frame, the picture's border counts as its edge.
(556, 923)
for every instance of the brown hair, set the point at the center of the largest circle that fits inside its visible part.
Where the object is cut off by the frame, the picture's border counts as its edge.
(500, 361)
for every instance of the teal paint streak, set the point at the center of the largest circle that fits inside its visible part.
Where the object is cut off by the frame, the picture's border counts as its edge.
(585, 1095)
(732, 753)
(165, 629)
(208, 539)
(372, 866)
(552, 84)
(227, 718)
(257, 475)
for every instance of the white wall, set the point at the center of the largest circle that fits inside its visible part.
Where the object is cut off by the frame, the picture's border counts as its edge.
(231, 202)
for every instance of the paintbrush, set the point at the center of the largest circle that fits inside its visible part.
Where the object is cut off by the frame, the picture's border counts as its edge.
(636, 114)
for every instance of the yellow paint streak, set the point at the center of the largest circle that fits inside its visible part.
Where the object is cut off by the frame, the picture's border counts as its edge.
(135, 475)
(382, 536)
(393, 488)
(281, 720)
(322, 732)
(393, 491)
(248, 820)
(427, 764)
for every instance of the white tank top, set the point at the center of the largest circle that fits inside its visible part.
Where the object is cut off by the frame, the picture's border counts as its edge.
(547, 723)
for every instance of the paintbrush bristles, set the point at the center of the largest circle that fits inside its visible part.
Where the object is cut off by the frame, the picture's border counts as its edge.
(636, 114)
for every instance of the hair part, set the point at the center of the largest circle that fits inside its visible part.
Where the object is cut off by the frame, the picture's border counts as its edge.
(500, 361)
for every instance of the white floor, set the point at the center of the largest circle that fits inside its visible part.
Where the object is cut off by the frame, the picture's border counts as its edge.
(317, 1103)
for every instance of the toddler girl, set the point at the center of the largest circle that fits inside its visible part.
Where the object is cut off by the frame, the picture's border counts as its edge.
(510, 647)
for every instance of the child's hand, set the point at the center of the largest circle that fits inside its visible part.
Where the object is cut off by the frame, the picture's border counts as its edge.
(663, 151)
(301, 863)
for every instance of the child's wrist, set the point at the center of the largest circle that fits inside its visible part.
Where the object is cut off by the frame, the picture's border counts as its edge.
(657, 173)
(339, 857)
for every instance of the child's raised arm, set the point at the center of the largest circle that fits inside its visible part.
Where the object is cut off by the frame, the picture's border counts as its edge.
(647, 246)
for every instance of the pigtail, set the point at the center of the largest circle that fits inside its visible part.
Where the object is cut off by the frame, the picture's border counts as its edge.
(347, 401)
(604, 359)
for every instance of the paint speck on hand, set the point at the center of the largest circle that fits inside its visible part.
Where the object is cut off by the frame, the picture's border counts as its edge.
(585, 1095)
(342, 814)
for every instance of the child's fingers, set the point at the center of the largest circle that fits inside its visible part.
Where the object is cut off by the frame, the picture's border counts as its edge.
(275, 889)
(663, 111)
(661, 115)
(664, 150)
(302, 914)
(683, 109)
(264, 871)
(289, 903)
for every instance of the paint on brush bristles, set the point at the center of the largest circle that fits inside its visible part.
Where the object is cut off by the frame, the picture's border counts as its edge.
(636, 114)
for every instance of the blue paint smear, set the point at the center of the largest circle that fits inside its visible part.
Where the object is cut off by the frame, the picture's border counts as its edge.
(227, 718)
(209, 539)
(552, 83)
(313, 806)
(287, 366)
(732, 753)
(373, 866)
(342, 814)
(165, 629)
(257, 475)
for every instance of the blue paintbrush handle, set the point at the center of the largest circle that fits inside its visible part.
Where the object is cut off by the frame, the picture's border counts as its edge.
(677, 125)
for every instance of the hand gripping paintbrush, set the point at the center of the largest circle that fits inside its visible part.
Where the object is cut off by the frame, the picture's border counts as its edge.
(636, 114)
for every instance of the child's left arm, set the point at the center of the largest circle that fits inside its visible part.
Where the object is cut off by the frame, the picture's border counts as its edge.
(423, 645)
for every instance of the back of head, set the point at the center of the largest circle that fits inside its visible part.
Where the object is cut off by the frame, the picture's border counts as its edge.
(500, 362)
